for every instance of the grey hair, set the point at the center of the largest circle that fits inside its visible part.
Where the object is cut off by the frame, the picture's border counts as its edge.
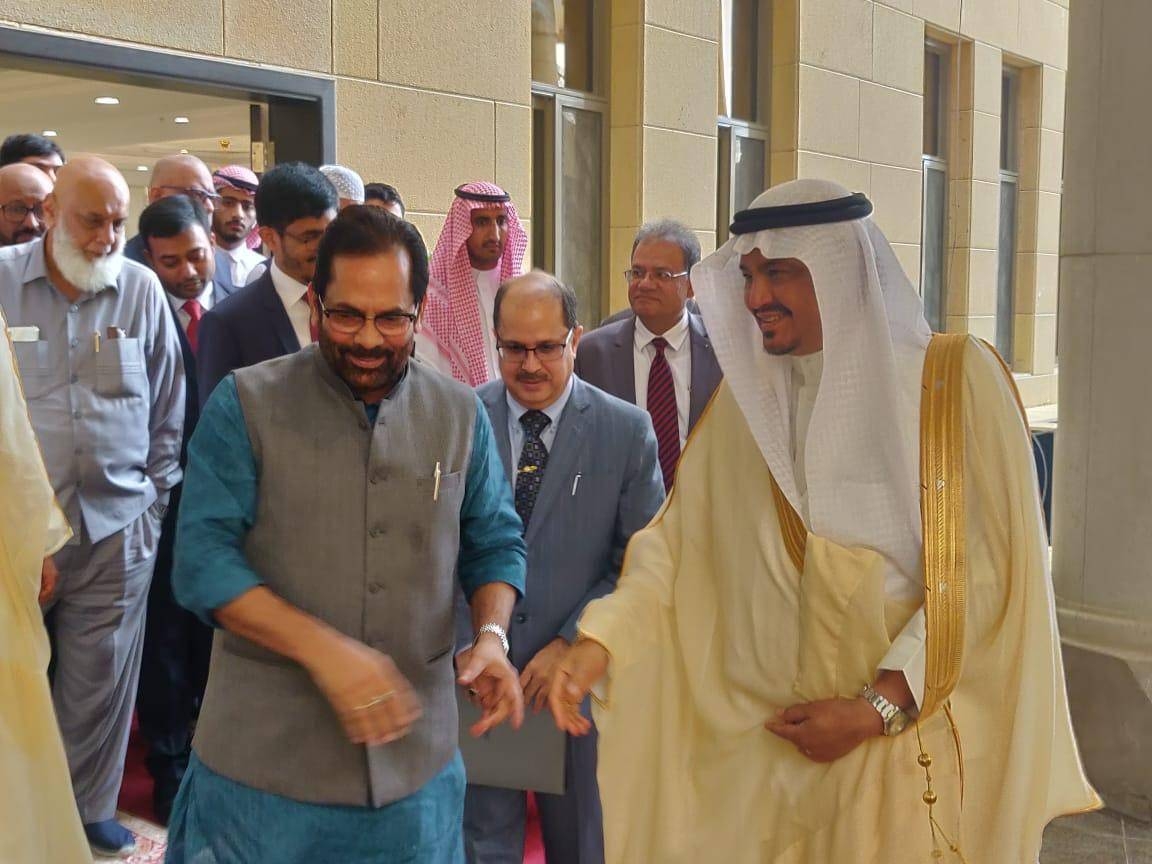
(671, 231)
(552, 285)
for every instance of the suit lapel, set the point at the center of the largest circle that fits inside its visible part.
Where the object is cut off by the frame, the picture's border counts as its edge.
(625, 360)
(705, 370)
(498, 414)
(277, 314)
(564, 456)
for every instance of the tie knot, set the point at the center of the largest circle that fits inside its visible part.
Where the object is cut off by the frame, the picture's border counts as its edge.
(659, 343)
(534, 422)
(193, 309)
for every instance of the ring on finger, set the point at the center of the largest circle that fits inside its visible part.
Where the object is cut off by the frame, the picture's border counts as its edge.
(374, 701)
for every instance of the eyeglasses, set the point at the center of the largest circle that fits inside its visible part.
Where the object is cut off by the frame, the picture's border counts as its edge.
(635, 275)
(201, 195)
(16, 212)
(545, 352)
(305, 239)
(349, 322)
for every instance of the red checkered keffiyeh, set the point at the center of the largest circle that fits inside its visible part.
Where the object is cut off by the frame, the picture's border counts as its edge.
(452, 317)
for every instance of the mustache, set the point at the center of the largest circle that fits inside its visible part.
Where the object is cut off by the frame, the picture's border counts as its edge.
(531, 378)
(368, 354)
(771, 309)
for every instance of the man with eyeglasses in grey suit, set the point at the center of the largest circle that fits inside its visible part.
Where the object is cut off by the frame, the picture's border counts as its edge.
(658, 356)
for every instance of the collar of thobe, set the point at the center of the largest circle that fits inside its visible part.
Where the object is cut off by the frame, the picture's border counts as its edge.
(806, 370)
(674, 336)
(553, 411)
(289, 289)
(237, 254)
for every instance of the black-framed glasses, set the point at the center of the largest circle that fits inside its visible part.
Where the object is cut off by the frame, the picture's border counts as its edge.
(635, 274)
(17, 211)
(349, 322)
(514, 352)
(202, 195)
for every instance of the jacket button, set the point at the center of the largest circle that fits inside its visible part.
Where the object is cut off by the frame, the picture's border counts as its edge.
(374, 588)
(521, 618)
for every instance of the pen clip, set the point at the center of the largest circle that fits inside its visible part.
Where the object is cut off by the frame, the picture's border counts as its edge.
(575, 483)
(436, 483)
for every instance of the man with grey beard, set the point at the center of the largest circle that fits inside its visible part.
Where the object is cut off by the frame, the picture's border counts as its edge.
(102, 372)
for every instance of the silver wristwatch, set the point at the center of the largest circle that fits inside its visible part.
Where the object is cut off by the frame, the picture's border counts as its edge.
(497, 630)
(895, 719)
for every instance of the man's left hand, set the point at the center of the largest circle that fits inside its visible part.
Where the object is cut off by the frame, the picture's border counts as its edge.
(536, 679)
(826, 730)
(492, 682)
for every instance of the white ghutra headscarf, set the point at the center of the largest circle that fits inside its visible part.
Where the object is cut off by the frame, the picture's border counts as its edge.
(862, 448)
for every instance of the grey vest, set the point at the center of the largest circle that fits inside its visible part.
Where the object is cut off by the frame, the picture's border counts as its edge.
(347, 530)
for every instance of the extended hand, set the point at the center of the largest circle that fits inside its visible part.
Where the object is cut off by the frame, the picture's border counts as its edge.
(493, 684)
(580, 668)
(826, 730)
(49, 576)
(374, 701)
(536, 679)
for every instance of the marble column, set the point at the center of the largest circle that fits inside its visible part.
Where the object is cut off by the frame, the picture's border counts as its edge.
(1102, 563)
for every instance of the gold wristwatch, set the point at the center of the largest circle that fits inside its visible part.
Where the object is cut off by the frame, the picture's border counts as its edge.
(894, 717)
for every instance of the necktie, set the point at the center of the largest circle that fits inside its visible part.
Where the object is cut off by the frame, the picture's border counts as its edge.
(533, 458)
(195, 312)
(662, 407)
(313, 330)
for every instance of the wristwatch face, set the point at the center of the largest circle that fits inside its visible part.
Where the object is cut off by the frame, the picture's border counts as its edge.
(896, 723)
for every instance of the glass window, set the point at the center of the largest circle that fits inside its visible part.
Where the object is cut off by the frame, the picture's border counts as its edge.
(750, 169)
(1009, 189)
(581, 235)
(563, 44)
(933, 244)
(745, 60)
(934, 97)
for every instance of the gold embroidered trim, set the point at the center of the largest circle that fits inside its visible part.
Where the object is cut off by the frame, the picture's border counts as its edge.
(942, 512)
(792, 527)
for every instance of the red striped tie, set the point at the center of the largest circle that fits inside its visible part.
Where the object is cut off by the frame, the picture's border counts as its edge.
(662, 407)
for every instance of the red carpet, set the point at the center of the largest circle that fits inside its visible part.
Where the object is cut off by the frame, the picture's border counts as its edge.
(136, 798)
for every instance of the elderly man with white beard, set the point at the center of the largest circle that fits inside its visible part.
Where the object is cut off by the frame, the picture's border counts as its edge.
(101, 367)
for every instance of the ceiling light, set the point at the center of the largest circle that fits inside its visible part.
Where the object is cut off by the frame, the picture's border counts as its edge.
(49, 133)
(141, 167)
(180, 120)
(107, 100)
(183, 152)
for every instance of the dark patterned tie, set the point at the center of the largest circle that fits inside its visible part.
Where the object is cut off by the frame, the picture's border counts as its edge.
(662, 407)
(533, 458)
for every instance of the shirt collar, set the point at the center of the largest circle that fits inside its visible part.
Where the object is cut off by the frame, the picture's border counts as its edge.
(675, 335)
(205, 298)
(553, 411)
(288, 288)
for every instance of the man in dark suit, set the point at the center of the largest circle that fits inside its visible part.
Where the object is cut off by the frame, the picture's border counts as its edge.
(271, 317)
(174, 232)
(180, 174)
(657, 357)
(585, 471)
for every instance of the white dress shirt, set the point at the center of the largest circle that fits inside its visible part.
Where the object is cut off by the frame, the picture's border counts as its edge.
(241, 262)
(293, 295)
(177, 304)
(516, 431)
(487, 284)
(679, 357)
(906, 654)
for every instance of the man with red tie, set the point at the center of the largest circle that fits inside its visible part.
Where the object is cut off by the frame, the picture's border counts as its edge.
(658, 357)
(176, 235)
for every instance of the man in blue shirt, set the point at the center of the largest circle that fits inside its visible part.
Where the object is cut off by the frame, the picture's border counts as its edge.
(336, 501)
(102, 371)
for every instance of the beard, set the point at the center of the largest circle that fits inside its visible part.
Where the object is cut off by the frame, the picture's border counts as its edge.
(85, 275)
(366, 384)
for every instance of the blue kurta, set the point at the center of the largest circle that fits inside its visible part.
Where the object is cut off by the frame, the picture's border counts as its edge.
(216, 820)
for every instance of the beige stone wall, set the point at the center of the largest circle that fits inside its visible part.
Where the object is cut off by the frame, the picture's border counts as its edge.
(428, 95)
(855, 82)
(663, 122)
